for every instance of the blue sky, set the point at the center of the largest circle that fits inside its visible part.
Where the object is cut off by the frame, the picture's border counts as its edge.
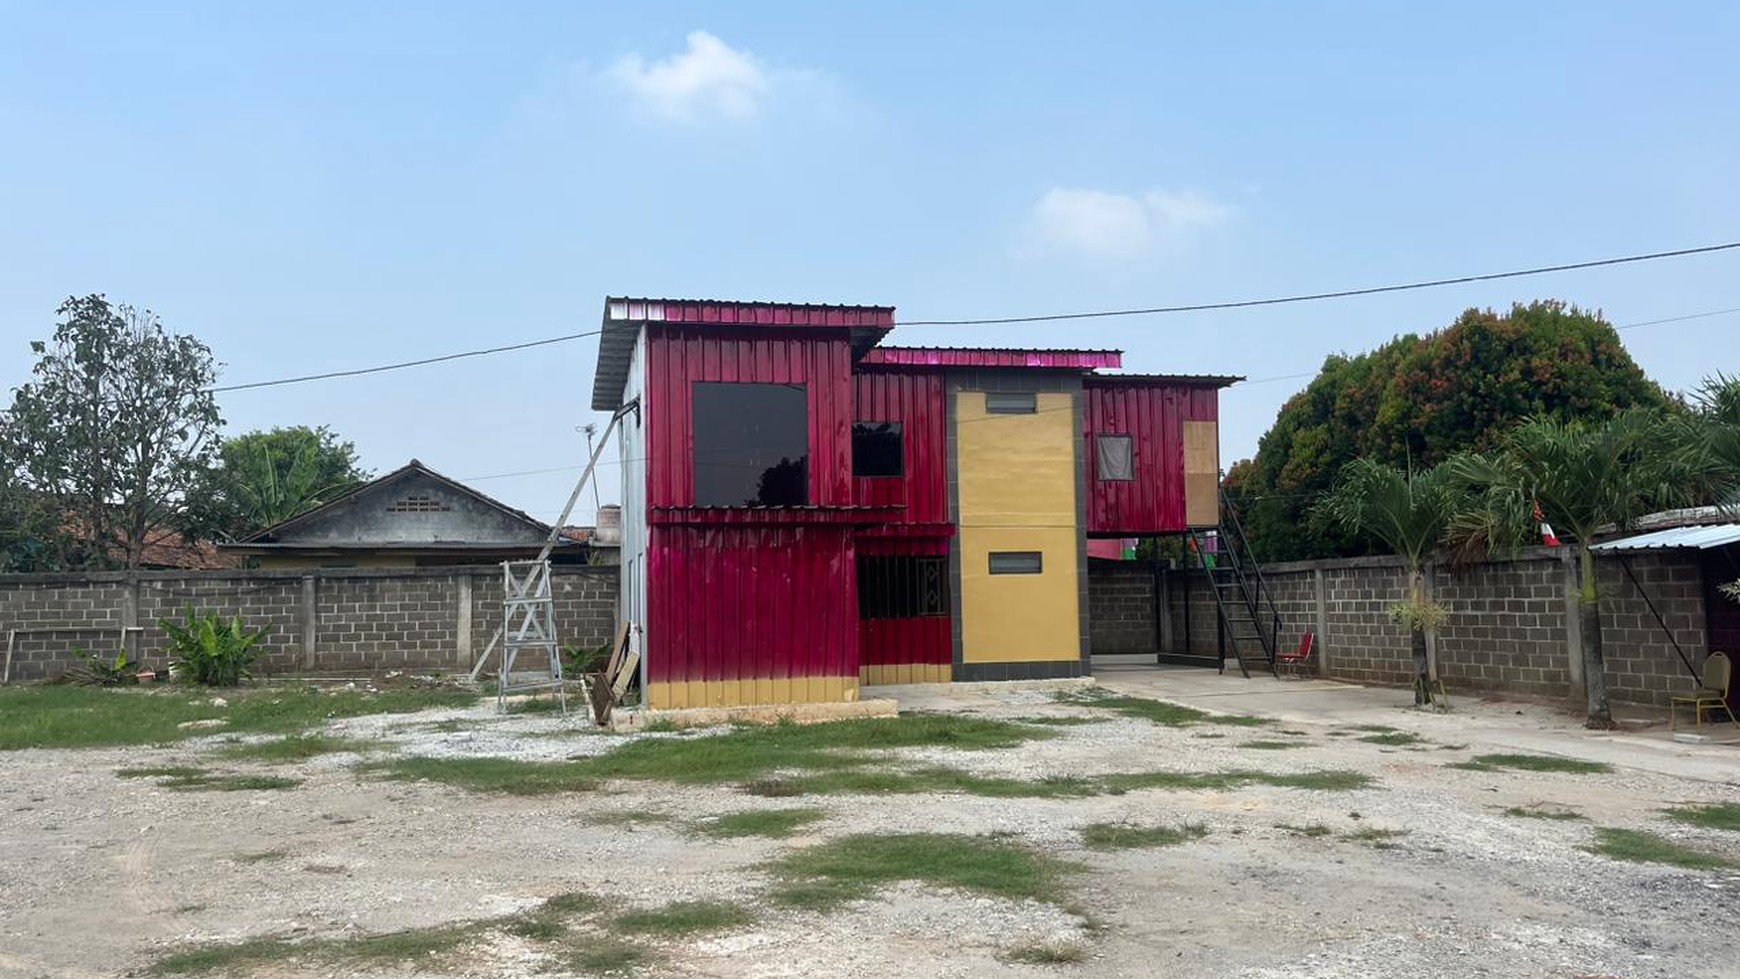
(319, 186)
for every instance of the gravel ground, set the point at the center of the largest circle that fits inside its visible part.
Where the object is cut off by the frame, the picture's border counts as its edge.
(101, 875)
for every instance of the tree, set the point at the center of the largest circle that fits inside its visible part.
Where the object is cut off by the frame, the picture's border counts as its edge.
(1408, 513)
(1418, 400)
(1584, 479)
(28, 537)
(263, 478)
(112, 430)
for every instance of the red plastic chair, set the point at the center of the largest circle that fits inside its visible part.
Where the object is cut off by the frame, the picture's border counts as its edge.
(1298, 662)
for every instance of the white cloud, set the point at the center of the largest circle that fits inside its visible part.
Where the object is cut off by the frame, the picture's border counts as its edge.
(710, 78)
(1110, 225)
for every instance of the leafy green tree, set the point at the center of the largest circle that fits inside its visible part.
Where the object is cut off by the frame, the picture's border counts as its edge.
(1416, 401)
(262, 478)
(1583, 478)
(1409, 513)
(28, 535)
(112, 430)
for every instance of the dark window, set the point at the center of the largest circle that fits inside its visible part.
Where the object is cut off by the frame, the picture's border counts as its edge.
(903, 587)
(878, 449)
(1011, 403)
(1016, 562)
(752, 445)
(1113, 455)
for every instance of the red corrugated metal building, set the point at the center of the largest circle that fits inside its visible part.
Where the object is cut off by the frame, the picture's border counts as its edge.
(794, 496)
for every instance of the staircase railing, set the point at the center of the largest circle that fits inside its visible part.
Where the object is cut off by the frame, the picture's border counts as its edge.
(1258, 596)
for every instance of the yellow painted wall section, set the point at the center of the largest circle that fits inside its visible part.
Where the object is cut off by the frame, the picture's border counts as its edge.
(748, 693)
(1017, 493)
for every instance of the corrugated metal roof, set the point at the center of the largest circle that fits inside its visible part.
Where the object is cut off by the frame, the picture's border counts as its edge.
(1701, 537)
(1182, 380)
(993, 357)
(624, 316)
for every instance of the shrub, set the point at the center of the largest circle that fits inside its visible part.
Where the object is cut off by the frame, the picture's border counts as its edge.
(94, 670)
(207, 650)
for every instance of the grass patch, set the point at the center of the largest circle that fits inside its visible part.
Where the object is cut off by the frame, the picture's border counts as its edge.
(190, 778)
(1637, 846)
(1273, 745)
(1060, 721)
(1123, 836)
(163, 771)
(1375, 728)
(1532, 763)
(1311, 831)
(853, 867)
(1722, 816)
(1395, 738)
(601, 955)
(1541, 811)
(1156, 711)
(771, 823)
(629, 817)
(1383, 839)
(90, 717)
(1048, 953)
(261, 857)
(297, 747)
(684, 918)
(504, 775)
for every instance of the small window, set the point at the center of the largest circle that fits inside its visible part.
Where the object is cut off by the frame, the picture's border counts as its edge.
(901, 587)
(878, 449)
(1011, 403)
(1112, 454)
(1016, 562)
(418, 503)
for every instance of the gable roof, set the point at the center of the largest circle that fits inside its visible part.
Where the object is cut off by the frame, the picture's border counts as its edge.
(269, 536)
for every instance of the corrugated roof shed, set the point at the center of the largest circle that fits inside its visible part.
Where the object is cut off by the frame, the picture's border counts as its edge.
(1702, 537)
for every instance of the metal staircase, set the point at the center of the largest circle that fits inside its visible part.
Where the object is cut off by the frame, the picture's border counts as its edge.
(1248, 617)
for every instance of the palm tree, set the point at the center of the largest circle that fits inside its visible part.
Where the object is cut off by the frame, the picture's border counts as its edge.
(1583, 479)
(1409, 513)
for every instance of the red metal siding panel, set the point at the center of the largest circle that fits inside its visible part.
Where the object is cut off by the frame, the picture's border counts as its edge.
(679, 357)
(915, 400)
(1153, 416)
(993, 357)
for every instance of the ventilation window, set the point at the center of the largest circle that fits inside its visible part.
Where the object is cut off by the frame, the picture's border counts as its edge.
(1011, 403)
(901, 587)
(877, 449)
(1113, 458)
(419, 503)
(1016, 562)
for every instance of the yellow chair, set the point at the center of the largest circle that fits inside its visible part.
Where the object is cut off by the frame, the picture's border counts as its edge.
(1711, 695)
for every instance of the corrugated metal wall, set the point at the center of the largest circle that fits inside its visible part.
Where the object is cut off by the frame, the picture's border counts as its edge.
(819, 360)
(907, 650)
(1153, 416)
(752, 615)
(915, 400)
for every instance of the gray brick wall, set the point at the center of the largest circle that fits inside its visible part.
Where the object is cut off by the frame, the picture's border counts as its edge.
(364, 621)
(1120, 607)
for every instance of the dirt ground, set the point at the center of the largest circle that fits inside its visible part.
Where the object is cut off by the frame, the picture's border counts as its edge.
(102, 875)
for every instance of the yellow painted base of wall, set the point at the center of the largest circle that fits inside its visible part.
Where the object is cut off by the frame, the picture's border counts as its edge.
(881, 676)
(743, 693)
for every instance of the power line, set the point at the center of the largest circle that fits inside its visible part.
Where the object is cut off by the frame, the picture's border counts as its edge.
(1339, 294)
(409, 363)
(1679, 319)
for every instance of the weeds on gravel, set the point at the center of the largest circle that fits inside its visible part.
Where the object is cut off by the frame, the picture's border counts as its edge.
(190, 778)
(629, 817)
(1721, 816)
(1537, 810)
(1156, 711)
(601, 955)
(1123, 836)
(684, 918)
(1048, 953)
(1637, 846)
(1312, 831)
(1532, 763)
(772, 823)
(417, 947)
(260, 857)
(1393, 738)
(1045, 721)
(505, 775)
(90, 717)
(1382, 839)
(298, 747)
(1273, 745)
(853, 867)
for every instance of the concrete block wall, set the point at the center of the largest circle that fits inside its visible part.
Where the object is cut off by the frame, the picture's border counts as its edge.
(1509, 628)
(1643, 666)
(1121, 606)
(327, 622)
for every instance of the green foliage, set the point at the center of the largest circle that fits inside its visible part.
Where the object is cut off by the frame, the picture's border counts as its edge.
(263, 478)
(111, 432)
(1725, 815)
(1540, 811)
(685, 918)
(211, 652)
(1157, 711)
(1533, 763)
(1049, 953)
(1418, 400)
(1419, 615)
(1637, 846)
(98, 670)
(1123, 836)
(772, 823)
(578, 660)
(1407, 512)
